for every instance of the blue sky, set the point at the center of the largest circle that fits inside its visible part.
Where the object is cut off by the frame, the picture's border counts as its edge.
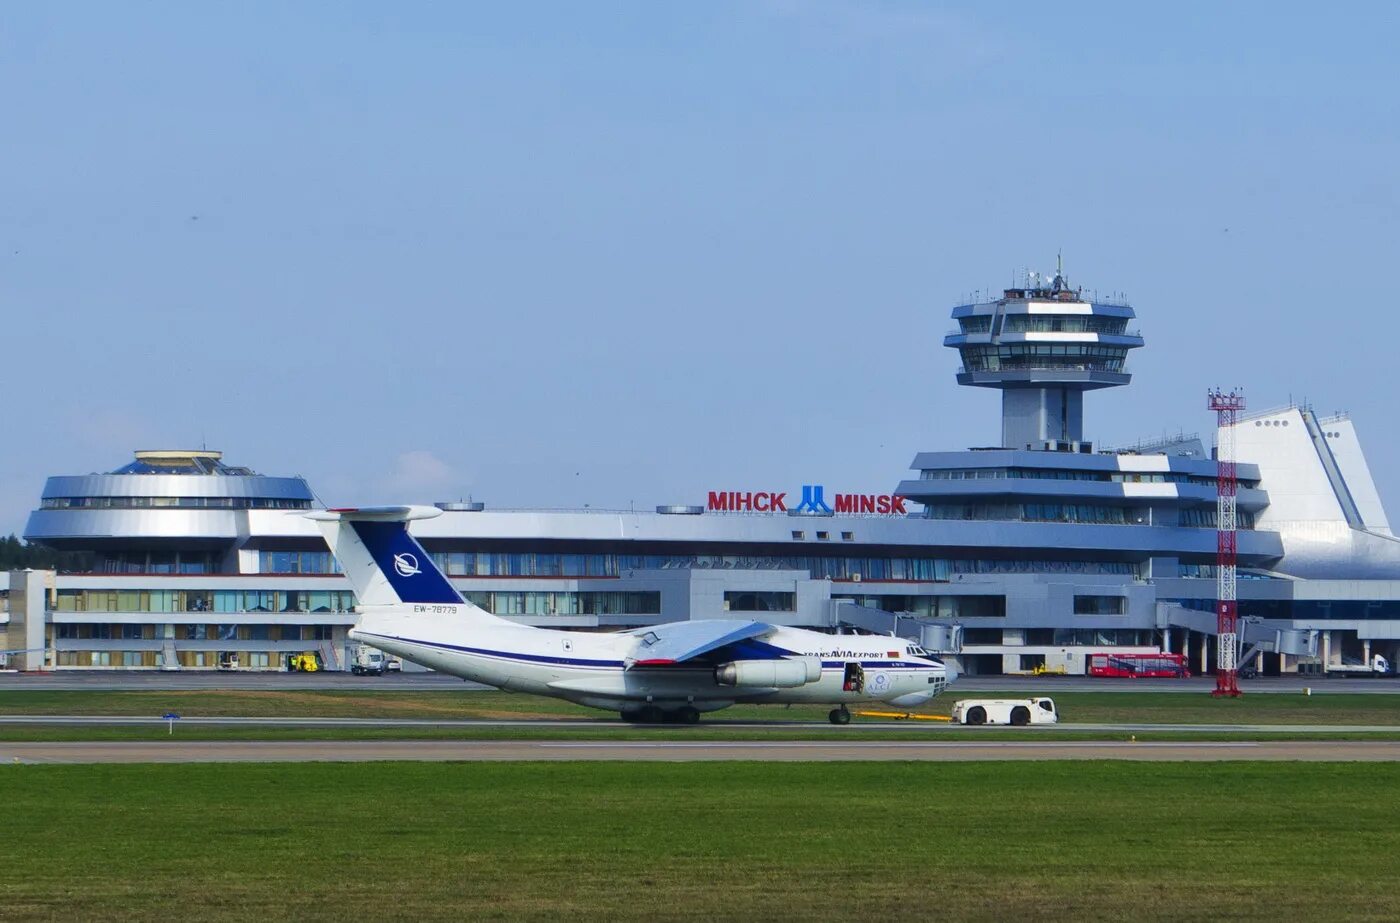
(549, 254)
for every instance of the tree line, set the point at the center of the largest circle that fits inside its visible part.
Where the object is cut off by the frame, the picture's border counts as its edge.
(17, 554)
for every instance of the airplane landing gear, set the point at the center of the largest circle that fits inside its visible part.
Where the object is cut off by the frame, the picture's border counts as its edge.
(647, 714)
(839, 716)
(653, 714)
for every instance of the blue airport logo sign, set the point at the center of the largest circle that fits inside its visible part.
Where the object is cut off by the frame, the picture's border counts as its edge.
(812, 501)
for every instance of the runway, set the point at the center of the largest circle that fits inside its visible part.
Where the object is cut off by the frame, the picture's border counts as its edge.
(689, 751)
(932, 727)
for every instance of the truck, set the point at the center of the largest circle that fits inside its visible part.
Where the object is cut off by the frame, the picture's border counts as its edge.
(368, 660)
(1019, 712)
(1355, 666)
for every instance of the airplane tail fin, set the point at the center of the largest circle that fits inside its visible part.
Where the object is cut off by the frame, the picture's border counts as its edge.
(385, 565)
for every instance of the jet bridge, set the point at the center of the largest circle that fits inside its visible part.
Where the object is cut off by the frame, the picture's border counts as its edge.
(933, 636)
(1263, 636)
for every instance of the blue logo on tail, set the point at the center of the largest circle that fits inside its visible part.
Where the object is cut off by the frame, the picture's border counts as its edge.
(404, 564)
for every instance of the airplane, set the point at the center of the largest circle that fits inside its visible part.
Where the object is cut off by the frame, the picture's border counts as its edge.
(660, 673)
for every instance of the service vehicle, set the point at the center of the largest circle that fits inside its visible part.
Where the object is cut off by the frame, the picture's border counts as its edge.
(1134, 666)
(1019, 712)
(307, 662)
(1355, 666)
(368, 660)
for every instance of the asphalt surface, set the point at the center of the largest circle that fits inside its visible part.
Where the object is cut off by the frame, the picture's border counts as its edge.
(684, 751)
(859, 724)
(136, 681)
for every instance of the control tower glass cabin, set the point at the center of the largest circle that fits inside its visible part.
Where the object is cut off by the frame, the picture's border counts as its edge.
(1043, 346)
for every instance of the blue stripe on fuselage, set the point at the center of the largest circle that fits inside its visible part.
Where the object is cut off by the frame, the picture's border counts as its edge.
(585, 662)
(507, 655)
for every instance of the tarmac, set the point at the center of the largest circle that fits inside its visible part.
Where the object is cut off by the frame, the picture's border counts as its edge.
(420, 681)
(690, 751)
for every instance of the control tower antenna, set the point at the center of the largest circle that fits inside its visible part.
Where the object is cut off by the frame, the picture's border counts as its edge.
(1227, 408)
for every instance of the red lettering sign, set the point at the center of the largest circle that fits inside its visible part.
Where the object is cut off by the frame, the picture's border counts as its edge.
(743, 501)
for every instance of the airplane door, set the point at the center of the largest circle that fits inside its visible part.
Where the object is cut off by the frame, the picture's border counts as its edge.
(854, 678)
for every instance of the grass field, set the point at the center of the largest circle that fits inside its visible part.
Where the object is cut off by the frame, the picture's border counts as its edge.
(1092, 707)
(701, 841)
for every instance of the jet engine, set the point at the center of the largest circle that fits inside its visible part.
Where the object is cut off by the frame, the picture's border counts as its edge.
(783, 674)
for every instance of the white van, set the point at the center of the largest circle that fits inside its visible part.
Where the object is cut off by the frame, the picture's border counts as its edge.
(368, 660)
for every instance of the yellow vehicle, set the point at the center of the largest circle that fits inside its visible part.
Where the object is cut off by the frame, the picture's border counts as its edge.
(309, 662)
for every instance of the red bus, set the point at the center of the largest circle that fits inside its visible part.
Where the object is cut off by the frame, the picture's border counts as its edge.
(1135, 665)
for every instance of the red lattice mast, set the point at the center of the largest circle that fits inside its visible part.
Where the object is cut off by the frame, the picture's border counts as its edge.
(1227, 408)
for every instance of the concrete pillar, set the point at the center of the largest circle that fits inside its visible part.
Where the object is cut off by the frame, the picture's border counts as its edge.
(1326, 651)
(1205, 653)
(1366, 651)
(28, 608)
(1166, 640)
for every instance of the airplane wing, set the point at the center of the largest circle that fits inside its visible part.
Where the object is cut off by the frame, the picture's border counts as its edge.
(676, 642)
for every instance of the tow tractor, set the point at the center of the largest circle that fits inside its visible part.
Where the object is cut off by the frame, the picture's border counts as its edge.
(1018, 712)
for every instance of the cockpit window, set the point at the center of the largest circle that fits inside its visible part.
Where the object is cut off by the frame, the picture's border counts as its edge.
(915, 651)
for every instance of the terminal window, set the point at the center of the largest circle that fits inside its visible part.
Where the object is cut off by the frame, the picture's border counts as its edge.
(1098, 605)
(760, 602)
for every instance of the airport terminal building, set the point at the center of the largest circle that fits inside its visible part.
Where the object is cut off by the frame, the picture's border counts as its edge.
(1027, 555)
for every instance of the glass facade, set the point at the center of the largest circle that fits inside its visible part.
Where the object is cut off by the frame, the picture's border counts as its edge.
(593, 603)
(157, 601)
(759, 601)
(1064, 323)
(1056, 474)
(499, 564)
(1092, 637)
(297, 562)
(1099, 605)
(200, 632)
(948, 607)
(1305, 609)
(1028, 512)
(1194, 517)
(105, 658)
(1074, 356)
(157, 561)
(179, 503)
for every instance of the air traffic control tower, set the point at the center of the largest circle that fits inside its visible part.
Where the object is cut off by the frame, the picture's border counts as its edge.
(1043, 346)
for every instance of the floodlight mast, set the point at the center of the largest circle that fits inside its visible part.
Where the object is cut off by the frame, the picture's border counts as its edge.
(1227, 408)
